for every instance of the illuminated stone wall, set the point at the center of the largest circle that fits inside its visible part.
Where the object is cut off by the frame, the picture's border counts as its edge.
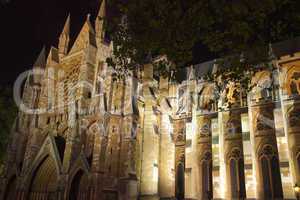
(148, 138)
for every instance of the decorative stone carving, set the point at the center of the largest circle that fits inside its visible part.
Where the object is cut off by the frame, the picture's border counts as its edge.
(94, 128)
(233, 125)
(179, 132)
(205, 130)
(293, 116)
(206, 96)
(180, 137)
(292, 82)
(267, 150)
(235, 153)
(263, 121)
(185, 100)
(181, 158)
(231, 95)
(207, 156)
(204, 127)
(261, 83)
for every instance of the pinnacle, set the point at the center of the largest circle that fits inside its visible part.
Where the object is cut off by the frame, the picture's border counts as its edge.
(101, 12)
(66, 29)
(41, 60)
(88, 21)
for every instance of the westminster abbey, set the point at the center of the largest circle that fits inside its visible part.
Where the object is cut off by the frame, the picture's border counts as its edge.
(81, 134)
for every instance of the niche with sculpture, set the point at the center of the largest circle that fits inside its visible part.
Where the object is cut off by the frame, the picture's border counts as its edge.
(206, 97)
(185, 100)
(292, 81)
(231, 95)
(261, 85)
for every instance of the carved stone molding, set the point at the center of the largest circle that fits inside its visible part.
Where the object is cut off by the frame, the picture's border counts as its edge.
(267, 150)
(206, 156)
(234, 153)
(204, 124)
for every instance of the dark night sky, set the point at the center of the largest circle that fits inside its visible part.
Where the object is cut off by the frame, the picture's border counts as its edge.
(26, 25)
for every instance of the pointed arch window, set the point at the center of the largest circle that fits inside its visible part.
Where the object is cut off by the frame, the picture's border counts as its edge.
(79, 186)
(206, 179)
(234, 179)
(237, 175)
(270, 172)
(206, 176)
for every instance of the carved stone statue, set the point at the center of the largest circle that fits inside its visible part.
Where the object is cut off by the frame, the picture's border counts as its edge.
(293, 81)
(261, 83)
(182, 100)
(231, 94)
(206, 96)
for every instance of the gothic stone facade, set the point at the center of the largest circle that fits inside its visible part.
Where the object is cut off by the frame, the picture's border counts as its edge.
(93, 137)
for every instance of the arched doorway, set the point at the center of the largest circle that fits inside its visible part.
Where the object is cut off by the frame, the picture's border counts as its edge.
(44, 181)
(79, 187)
(10, 192)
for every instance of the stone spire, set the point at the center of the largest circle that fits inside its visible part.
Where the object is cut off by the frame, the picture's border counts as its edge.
(41, 59)
(99, 23)
(64, 39)
(85, 37)
(191, 73)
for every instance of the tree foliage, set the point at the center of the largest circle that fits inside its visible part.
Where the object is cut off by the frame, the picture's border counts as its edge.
(238, 31)
(8, 111)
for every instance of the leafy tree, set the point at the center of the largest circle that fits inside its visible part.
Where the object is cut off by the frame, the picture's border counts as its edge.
(239, 31)
(8, 111)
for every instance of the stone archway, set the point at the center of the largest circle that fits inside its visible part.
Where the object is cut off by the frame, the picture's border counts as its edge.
(10, 192)
(79, 187)
(44, 181)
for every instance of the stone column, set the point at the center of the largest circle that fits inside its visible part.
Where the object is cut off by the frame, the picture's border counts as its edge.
(265, 151)
(204, 157)
(263, 138)
(128, 187)
(96, 164)
(166, 184)
(232, 141)
(179, 135)
(150, 157)
(166, 160)
(72, 148)
(233, 154)
(289, 73)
